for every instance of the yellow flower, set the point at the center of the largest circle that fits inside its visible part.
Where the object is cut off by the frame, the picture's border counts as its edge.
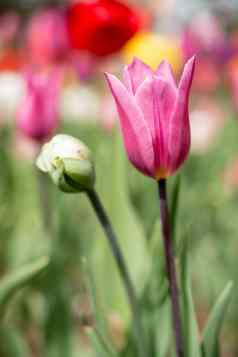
(152, 48)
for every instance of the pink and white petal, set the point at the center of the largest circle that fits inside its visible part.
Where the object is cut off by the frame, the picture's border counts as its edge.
(144, 100)
(165, 70)
(135, 74)
(167, 99)
(152, 99)
(179, 126)
(186, 79)
(179, 139)
(136, 134)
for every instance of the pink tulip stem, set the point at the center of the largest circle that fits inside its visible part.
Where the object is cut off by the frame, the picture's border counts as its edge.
(170, 266)
(125, 276)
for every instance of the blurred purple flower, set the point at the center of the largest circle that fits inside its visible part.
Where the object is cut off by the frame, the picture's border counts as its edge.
(38, 115)
(46, 37)
(84, 64)
(154, 117)
(204, 36)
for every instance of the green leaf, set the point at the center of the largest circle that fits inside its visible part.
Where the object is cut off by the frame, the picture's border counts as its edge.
(101, 346)
(163, 329)
(97, 310)
(157, 284)
(13, 343)
(19, 279)
(154, 306)
(112, 185)
(190, 328)
(210, 340)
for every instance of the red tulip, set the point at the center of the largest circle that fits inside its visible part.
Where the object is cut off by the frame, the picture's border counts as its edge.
(101, 27)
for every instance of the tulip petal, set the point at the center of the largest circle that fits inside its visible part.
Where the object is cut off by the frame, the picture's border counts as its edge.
(164, 70)
(186, 78)
(144, 100)
(38, 114)
(156, 105)
(179, 127)
(136, 133)
(135, 74)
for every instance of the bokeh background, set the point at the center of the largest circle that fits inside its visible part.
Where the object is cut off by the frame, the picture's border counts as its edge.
(51, 315)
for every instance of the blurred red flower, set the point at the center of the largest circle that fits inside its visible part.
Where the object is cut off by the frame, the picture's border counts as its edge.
(11, 60)
(101, 27)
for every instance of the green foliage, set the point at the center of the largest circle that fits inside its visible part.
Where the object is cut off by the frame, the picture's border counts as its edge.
(15, 281)
(12, 343)
(101, 346)
(190, 328)
(112, 187)
(68, 310)
(210, 340)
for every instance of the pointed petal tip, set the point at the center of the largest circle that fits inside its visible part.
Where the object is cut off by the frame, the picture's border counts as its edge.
(165, 66)
(115, 85)
(164, 62)
(187, 75)
(137, 62)
(162, 65)
(165, 70)
(110, 78)
(191, 61)
(106, 75)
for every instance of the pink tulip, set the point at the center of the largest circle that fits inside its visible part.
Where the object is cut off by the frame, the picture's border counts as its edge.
(153, 113)
(46, 37)
(38, 115)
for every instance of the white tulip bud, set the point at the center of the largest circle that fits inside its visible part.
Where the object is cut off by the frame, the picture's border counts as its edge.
(69, 163)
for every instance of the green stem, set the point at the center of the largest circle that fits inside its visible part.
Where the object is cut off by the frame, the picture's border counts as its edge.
(125, 276)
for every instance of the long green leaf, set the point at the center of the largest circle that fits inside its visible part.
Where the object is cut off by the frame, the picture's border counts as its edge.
(101, 346)
(112, 185)
(97, 310)
(190, 328)
(19, 279)
(210, 340)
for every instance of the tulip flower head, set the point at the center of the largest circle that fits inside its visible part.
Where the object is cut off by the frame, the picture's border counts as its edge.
(46, 37)
(38, 115)
(68, 161)
(101, 27)
(153, 114)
